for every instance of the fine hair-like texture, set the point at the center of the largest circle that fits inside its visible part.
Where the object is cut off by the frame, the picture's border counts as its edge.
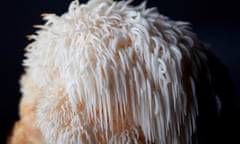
(109, 72)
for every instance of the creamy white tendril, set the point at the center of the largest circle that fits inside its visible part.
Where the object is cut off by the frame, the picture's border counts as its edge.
(115, 73)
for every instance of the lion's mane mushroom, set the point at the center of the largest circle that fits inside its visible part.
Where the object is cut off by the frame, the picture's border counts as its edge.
(109, 72)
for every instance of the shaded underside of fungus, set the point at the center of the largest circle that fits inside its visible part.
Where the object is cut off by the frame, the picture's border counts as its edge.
(109, 72)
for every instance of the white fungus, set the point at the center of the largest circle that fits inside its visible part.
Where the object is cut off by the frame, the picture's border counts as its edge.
(110, 72)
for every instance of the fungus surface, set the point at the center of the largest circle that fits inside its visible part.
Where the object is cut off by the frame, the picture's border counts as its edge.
(110, 72)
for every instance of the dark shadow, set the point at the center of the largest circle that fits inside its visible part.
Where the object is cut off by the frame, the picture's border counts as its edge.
(215, 126)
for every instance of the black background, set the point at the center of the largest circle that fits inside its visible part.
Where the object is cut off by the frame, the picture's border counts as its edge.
(216, 22)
